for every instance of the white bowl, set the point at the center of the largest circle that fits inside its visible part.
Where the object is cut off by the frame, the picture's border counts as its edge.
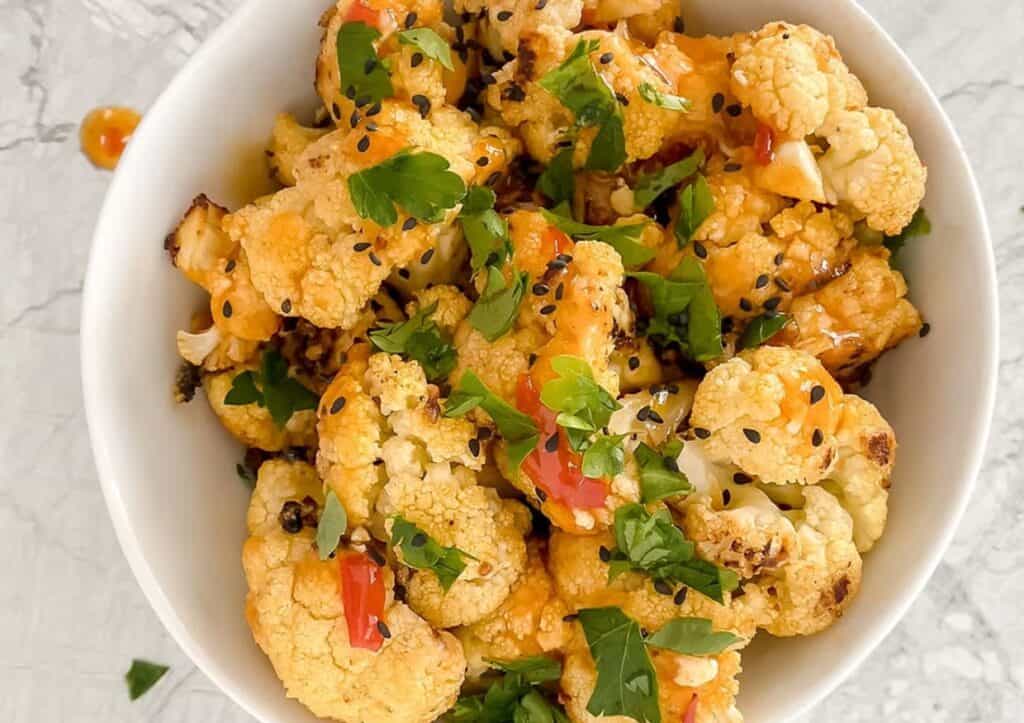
(168, 471)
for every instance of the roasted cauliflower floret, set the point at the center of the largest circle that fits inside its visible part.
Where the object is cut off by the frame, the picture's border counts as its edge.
(871, 166)
(670, 403)
(287, 142)
(772, 412)
(814, 588)
(852, 320)
(711, 680)
(505, 22)
(741, 207)
(442, 264)
(530, 621)
(452, 306)
(817, 245)
(860, 480)
(448, 504)
(298, 619)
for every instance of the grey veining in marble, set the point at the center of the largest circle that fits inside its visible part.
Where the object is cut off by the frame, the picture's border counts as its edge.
(72, 616)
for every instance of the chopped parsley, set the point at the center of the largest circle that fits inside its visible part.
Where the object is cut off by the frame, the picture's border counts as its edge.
(332, 525)
(515, 696)
(142, 676)
(418, 182)
(418, 339)
(558, 181)
(422, 552)
(762, 328)
(363, 76)
(430, 43)
(627, 683)
(651, 185)
(667, 101)
(695, 204)
(486, 232)
(583, 405)
(624, 239)
(920, 225)
(692, 636)
(273, 388)
(605, 457)
(518, 429)
(496, 309)
(579, 87)
(659, 475)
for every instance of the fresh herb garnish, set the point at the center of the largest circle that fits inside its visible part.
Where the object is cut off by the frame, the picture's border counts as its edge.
(624, 239)
(558, 182)
(418, 339)
(332, 525)
(605, 457)
(762, 328)
(496, 309)
(273, 388)
(514, 696)
(653, 545)
(142, 676)
(627, 683)
(485, 230)
(579, 87)
(684, 310)
(430, 43)
(583, 405)
(518, 429)
(919, 225)
(651, 185)
(692, 636)
(422, 552)
(667, 101)
(418, 182)
(363, 76)
(695, 204)
(659, 475)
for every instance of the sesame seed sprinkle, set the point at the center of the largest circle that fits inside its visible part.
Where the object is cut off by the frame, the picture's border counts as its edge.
(752, 435)
(701, 433)
(559, 291)
(338, 405)
(549, 309)
(230, 266)
(373, 109)
(361, 246)
(746, 305)
(418, 540)
(732, 167)
(375, 259)
(364, 144)
(286, 306)
(606, 58)
(622, 99)
(427, 255)
(541, 4)
(662, 587)
(741, 478)
(409, 224)
(773, 303)
(410, 19)
(227, 310)
(926, 329)
(643, 414)
(700, 250)
(504, 15)
(604, 553)
(762, 281)
(783, 286)
(655, 417)
(422, 102)
(817, 438)
(817, 393)
(779, 258)
(540, 289)
(726, 497)
(717, 102)
(634, 363)
(382, 628)
(735, 110)
(482, 161)
(416, 59)
(680, 597)
(404, 273)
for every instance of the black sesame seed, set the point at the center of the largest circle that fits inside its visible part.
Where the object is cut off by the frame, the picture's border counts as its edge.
(540, 289)
(564, 258)
(416, 59)
(290, 517)
(762, 281)
(504, 15)
(643, 414)
(362, 100)
(752, 434)
(606, 58)
(383, 629)
(559, 291)
(541, 4)
(717, 102)
(773, 303)
(678, 25)
(735, 110)
(482, 161)
(552, 443)
(783, 286)
(422, 102)
(404, 273)
(227, 310)
(375, 259)
(492, 180)
(741, 478)
(364, 144)
(409, 224)
(373, 109)
(604, 553)
(369, 65)
(532, 359)
(701, 433)
(817, 438)
(286, 306)
(410, 19)
(361, 246)
(785, 36)
(230, 266)
(926, 329)
(353, 120)
(634, 363)
(418, 540)
(571, 617)
(726, 497)
(338, 405)
(622, 99)
(655, 417)
(779, 258)
(680, 597)
(700, 250)
(663, 588)
(427, 255)
(746, 305)
(817, 393)
(549, 309)
(733, 167)
(350, 93)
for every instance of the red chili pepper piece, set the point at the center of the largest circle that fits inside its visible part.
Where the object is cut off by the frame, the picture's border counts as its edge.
(764, 144)
(363, 594)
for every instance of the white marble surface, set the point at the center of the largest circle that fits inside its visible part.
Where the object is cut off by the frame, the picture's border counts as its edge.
(72, 616)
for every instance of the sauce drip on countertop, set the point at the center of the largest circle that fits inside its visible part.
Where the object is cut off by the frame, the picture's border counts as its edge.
(105, 133)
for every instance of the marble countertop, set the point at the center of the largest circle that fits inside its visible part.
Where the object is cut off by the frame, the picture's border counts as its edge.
(71, 614)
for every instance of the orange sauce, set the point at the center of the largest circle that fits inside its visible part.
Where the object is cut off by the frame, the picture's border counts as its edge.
(105, 133)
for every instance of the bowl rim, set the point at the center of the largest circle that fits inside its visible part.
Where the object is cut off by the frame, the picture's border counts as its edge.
(104, 450)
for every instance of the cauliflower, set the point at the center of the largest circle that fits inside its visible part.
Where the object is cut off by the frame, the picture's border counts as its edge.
(852, 320)
(681, 678)
(741, 276)
(287, 142)
(793, 171)
(872, 167)
(817, 245)
(297, 618)
(252, 424)
(671, 404)
(813, 588)
(504, 23)
(442, 263)
(860, 480)
(773, 412)
(741, 207)
(530, 621)
(452, 306)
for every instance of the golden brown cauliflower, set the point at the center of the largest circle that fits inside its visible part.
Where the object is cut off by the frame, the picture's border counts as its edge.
(298, 619)
(773, 412)
(817, 245)
(530, 621)
(287, 142)
(871, 167)
(252, 424)
(503, 23)
(452, 306)
(852, 320)
(815, 586)
(741, 207)
(860, 479)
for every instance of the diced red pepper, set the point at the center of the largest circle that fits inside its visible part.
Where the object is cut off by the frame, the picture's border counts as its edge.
(555, 242)
(764, 144)
(690, 716)
(360, 12)
(557, 473)
(363, 594)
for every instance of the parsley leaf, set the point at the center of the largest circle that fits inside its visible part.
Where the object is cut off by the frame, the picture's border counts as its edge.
(692, 636)
(433, 45)
(332, 525)
(538, 669)
(422, 552)
(704, 331)
(418, 182)
(280, 393)
(363, 76)
(582, 404)
(664, 100)
(624, 239)
(695, 204)
(659, 475)
(495, 311)
(513, 697)
(651, 185)
(605, 457)
(518, 429)
(627, 683)
(558, 181)
(762, 328)
(485, 230)
(142, 676)
(535, 708)
(580, 88)
(418, 339)
(920, 225)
